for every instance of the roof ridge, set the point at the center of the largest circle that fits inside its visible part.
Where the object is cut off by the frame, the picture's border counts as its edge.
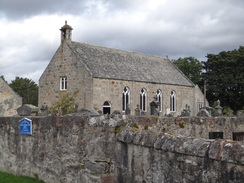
(119, 49)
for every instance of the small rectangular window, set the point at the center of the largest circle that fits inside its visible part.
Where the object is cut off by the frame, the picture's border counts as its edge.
(63, 83)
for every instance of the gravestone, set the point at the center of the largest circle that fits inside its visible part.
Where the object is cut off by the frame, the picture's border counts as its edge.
(28, 110)
(186, 111)
(218, 109)
(204, 113)
(127, 110)
(44, 110)
(154, 108)
(137, 111)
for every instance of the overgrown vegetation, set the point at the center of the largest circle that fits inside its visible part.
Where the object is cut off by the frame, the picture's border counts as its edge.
(146, 127)
(181, 124)
(228, 111)
(117, 129)
(135, 125)
(64, 105)
(9, 178)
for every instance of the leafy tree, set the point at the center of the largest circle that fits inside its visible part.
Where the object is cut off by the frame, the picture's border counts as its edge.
(191, 67)
(3, 78)
(225, 78)
(64, 105)
(27, 89)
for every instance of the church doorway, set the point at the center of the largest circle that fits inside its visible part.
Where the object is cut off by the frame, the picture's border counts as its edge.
(106, 107)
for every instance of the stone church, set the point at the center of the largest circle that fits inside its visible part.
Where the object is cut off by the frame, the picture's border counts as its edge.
(111, 79)
(9, 100)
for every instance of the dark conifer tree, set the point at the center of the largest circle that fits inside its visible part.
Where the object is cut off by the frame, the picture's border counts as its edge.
(225, 78)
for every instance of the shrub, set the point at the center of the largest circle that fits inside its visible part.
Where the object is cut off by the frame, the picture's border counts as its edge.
(64, 105)
(228, 111)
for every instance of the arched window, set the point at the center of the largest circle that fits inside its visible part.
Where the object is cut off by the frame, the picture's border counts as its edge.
(159, 99)
(172, 101)
(125, 98)
(106, 107)
(143, 100)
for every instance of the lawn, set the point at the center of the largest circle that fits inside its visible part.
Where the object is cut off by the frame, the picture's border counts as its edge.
(9, 178)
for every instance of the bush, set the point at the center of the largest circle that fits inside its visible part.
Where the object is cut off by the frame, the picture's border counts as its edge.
(228, 111)
(64, 105)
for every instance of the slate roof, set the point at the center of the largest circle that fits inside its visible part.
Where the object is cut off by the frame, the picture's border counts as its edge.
(110, 63)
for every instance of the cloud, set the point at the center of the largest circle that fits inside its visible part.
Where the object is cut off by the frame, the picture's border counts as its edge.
(16, 9)
(30, 29)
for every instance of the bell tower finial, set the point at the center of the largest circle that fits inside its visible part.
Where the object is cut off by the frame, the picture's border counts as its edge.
(66, 32)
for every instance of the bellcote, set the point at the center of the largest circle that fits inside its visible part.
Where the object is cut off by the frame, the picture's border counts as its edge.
(66, 32)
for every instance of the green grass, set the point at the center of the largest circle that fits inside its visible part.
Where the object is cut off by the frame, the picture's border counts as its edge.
(9, 178)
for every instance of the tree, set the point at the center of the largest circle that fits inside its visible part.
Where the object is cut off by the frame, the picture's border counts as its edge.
(64, 105)
(27, 89)
(225, 78)
(3, 78)
(191, 67)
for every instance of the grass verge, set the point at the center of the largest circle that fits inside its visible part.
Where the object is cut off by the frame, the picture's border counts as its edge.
(9, 178)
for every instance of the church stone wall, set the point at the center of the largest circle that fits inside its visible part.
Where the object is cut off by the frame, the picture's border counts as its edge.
(9, 100)
(64, 63)
(111, 90)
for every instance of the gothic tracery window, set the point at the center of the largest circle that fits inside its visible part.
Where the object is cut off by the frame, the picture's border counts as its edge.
(172, 101)
(159, 100)
(143, 100)
(125, 98)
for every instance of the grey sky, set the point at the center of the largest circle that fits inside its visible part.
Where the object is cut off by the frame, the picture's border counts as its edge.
(178, 28)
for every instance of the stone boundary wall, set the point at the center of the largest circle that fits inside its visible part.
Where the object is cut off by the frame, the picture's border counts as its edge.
(198, 127)
(146, 156)
(61, 150)
(106, 149)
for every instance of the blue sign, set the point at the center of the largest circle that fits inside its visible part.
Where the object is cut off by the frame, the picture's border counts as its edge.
(25, 126)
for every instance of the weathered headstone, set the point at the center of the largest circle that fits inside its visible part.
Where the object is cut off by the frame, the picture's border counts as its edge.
(44, 110)
(28, 110)
(218, 109)
(186, 111)
(127, 110)
(240, 113)
(154, 108)
(137, 111)
(204, 113)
